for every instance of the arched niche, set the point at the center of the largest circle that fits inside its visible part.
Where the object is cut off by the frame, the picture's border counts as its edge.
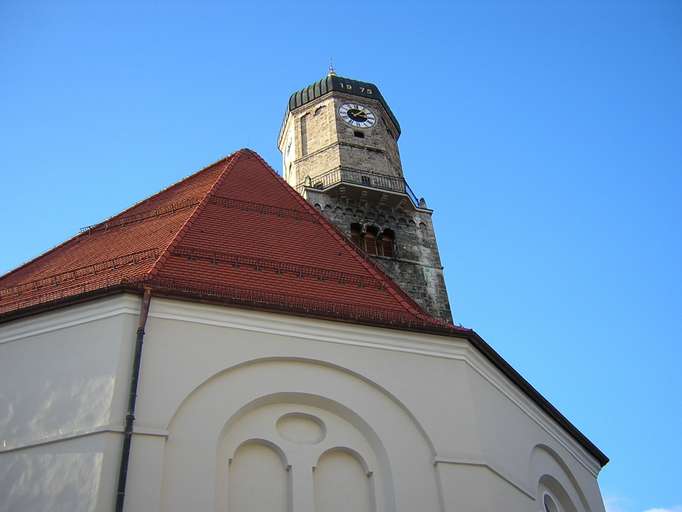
(193, 457)
(258, 478)
(550, 474)
(343, 482)
(303, 428)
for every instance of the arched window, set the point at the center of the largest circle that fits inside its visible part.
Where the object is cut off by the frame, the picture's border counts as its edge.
(373, 242)
(387, 239)
(356, 235)
(304, 134)
(257, 479)
(549, 504)
(553, 497)
(342, 483)
(371, 235)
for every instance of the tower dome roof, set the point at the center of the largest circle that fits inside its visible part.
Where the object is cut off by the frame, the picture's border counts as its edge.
(340, 84)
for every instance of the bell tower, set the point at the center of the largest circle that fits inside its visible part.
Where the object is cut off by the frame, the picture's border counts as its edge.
(339, 143)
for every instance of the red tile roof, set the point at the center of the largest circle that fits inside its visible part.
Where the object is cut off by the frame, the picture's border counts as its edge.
(234, 233)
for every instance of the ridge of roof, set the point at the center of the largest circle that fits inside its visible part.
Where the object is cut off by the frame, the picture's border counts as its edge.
(83, 233)
(90, 260)
(157, 194)
(229, 164)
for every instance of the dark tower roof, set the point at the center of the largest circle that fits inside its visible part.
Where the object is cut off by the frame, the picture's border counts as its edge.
(340, 84)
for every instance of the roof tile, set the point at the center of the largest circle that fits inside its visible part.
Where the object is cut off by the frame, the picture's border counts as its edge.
(234, 232)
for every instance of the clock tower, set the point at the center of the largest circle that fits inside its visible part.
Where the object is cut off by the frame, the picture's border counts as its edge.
(339, 142)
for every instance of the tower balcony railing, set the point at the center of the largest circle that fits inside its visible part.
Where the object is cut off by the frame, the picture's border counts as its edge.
(342, 175)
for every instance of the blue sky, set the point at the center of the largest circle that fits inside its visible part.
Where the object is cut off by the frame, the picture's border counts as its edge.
(547, 136)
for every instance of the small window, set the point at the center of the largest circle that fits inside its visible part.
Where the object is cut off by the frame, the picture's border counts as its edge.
(356, 234)
(387, 239)
(365, 180)
(371, 242)
(359, 134)
(304, 134)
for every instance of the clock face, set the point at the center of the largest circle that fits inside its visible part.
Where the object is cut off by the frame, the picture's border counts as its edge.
(357, 115)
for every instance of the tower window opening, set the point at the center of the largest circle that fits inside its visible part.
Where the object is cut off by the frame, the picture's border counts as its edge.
(371, 245)
(356, 235)
(387, 239)
(359, 134)
(304, 135)
(372, 241)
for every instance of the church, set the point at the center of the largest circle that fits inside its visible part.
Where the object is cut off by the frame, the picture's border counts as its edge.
(245, 341)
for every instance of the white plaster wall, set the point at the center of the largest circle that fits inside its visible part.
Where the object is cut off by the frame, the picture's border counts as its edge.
(433, 425)
(63, 384)
(508, 435)
(448, 432)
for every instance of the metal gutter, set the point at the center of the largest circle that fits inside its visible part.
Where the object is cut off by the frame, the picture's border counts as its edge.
(132, 398)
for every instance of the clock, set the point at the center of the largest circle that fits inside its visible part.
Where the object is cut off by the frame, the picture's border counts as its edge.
(357, 115)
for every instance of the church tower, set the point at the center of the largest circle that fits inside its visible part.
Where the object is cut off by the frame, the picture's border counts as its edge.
(339, 142)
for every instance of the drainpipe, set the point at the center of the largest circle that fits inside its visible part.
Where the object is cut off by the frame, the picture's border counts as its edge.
(130, 415)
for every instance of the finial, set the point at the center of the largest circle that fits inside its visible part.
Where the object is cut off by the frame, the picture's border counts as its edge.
(331, 71)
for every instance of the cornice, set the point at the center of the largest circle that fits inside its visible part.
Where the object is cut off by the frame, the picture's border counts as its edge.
(63, 318)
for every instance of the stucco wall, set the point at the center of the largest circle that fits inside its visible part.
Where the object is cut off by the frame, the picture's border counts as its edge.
(63, 384)
(400, 421)
(437, 426)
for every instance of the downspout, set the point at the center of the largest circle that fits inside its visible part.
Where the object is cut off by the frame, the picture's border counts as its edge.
(130, 415)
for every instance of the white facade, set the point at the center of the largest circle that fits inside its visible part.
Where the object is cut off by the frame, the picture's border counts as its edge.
(241, 411)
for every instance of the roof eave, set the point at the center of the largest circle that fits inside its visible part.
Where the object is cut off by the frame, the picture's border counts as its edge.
(451, 331)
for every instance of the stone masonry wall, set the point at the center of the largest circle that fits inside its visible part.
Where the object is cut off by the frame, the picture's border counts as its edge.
(416, 267)
(322, 141)
(379, 141)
